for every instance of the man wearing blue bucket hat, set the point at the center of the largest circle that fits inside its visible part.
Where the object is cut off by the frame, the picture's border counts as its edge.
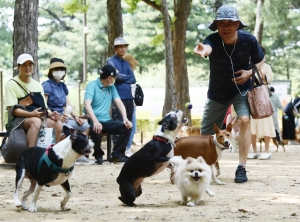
(231, 52)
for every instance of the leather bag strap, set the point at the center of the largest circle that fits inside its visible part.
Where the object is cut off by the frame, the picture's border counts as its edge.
(253, 78)
(26, 90)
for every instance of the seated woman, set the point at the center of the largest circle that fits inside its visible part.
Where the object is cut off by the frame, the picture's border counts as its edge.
(56, 96)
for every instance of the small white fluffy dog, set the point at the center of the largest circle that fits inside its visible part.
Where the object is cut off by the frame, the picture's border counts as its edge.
(192, 177)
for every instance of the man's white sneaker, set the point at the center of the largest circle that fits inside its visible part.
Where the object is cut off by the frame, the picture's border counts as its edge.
(84, 161)
(128, 153)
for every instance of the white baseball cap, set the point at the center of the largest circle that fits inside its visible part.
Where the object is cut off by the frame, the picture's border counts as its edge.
(23, 58)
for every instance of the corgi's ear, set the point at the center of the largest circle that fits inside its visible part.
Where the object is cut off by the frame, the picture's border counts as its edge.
(216, 128)
(229, 127)
(189, 160)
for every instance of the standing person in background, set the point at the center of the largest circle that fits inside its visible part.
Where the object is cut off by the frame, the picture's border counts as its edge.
(276, 105)
(227, 118)
(229, 51)
(123, 82)
(133, 63)
(262, 128)
(288, 123)
(56, 96)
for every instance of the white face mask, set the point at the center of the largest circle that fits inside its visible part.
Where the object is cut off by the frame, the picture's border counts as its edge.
(57, 75)
(110, 84)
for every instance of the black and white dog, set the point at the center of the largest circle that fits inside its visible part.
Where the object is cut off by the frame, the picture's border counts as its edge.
(51, 166)
(150, 159)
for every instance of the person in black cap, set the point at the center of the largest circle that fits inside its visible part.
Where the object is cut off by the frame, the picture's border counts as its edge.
(98, 97)
(229, 50)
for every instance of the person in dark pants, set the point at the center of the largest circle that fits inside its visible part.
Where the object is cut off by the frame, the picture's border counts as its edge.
(97, 101)
(123, 83)
(288, 121)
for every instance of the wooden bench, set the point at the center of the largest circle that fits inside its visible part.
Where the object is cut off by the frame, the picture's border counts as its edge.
(108, 137)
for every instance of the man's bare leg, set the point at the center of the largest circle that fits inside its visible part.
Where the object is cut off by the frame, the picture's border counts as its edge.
(32, 127)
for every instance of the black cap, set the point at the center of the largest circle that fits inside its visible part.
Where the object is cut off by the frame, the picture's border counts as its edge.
(107, 71)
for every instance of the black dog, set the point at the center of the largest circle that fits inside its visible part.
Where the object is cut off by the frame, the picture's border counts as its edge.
(150, 159)
(51, 166)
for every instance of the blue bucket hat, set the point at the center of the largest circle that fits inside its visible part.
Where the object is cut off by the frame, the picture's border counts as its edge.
(226, 12)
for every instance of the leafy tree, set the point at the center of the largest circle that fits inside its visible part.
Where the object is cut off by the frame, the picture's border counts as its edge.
(25, 35)
(115, 23)
(181, 9)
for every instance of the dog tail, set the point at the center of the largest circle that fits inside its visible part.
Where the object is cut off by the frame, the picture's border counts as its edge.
(175, 160)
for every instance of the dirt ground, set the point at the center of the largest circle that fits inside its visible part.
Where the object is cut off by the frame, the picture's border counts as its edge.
(271, 194)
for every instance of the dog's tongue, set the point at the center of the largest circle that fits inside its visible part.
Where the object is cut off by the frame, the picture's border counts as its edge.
(196, 178)
(227, 146)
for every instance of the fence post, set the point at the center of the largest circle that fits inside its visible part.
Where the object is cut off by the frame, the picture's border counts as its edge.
(79, 98)
(1, 104)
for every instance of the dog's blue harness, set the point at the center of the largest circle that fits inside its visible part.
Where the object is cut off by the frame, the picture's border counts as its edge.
(51, 165)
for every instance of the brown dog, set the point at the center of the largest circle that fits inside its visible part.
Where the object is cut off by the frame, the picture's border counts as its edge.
(209, 147)
(274, 141)
(189, 131)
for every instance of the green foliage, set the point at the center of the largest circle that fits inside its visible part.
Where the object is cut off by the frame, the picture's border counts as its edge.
(157, 40)
(74, 6)
(143, 29)
(6, 31)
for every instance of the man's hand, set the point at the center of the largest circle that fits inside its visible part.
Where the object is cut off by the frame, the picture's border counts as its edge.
(37, 113)
(127, 124)
(200, 50)
(245, 75)
(78, 120)
(97, 128)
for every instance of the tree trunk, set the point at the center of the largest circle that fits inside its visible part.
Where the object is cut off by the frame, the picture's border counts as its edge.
(259, 21)
(115, 23)
(217, 4)
(170, 101)
(182, 11)
(25, 35)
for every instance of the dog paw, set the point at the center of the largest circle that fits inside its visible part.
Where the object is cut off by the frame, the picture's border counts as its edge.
(183, 202)
(210, 193)
(219, 182)
(24, 207)
(18, 203)
(65, 209)
(32, 209)
(190, 204)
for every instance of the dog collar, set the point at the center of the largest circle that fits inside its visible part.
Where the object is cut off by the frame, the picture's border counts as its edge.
(161, 139)
(217, 144)
(51, 165)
